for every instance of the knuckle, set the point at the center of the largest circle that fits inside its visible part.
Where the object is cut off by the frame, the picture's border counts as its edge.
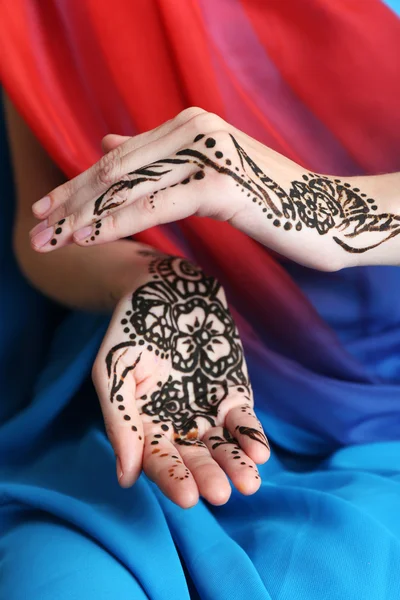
(189, 113)
(59, 213)
(108, 168)
(112, 221)
(73, 221)
(222, 137)
(207, 122)
(146, 203)
(200, 458)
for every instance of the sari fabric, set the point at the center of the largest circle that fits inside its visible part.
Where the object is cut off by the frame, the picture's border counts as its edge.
(318, 82)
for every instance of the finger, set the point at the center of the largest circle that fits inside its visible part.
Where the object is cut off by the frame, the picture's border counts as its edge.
(211, 480)
(113, 378)
(112, 171)
(243, 424)
(108, 188)
(145, 183)
(162, 207)
(82, 228)
(56, 203)
(140, 140)
(130, 179)
(233, 460)
(112, 140)
(163, 464)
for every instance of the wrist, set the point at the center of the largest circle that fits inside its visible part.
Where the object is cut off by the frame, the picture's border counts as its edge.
(370, 230)
(128, 276)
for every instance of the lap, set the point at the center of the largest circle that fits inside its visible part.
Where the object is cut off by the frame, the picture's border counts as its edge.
(44, 558)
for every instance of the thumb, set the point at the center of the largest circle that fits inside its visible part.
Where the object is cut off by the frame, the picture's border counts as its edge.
(112, 140)
(122, 421)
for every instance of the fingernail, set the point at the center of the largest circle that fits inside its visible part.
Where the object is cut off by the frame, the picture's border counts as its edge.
(83, 233)
(43, 237)
(38, 228)
(119, 469)
(42, 206)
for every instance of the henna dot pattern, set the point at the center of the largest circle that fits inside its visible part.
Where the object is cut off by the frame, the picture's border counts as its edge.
(229, 440)
(58, 231)
(313, 201)
(179, 314)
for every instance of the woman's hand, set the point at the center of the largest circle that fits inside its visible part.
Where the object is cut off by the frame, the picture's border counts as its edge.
(174, 389)
(197, 164)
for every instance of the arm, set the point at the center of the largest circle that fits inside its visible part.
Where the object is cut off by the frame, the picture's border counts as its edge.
(183, 449)
(197, 164)
(186, 421)
(92, 279)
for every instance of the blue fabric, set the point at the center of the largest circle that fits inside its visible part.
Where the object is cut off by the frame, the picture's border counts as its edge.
(325, 524)
(394, 5)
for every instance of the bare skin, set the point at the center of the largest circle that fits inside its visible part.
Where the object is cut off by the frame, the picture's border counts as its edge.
(161, 394)
(197, 458)
(198, 164)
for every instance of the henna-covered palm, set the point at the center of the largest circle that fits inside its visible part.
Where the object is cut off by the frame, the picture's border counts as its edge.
(178, 389)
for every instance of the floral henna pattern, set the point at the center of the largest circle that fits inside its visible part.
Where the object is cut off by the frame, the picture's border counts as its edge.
(317, 202)
(181, 316)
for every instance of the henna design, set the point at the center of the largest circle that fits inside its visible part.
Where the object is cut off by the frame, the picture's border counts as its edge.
(228, 439)
(254, 434)
(318, 202)
(181, 316)
(57, 231)
(96, 232)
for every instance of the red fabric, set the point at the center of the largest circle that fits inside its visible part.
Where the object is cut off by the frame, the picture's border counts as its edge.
(79, 69)
(351, 77)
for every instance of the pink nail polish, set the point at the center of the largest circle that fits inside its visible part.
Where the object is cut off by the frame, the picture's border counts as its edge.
(42, 206)
(43, 237)
(83, 233)
(39, 227)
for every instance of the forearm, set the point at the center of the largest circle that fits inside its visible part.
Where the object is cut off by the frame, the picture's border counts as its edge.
(327, 222)
(375, 224)
(92, 279)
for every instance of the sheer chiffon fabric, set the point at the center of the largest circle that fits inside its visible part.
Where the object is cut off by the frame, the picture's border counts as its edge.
(318, 82)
